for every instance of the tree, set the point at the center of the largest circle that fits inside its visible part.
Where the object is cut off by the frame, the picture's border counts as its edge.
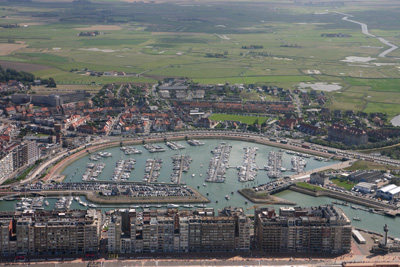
(51, 83)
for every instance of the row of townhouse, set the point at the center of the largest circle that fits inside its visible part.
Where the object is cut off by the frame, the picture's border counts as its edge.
(238, 106)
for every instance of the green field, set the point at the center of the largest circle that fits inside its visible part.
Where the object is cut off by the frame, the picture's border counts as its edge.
(367, 165)
(309, 186)
(206, 43)
(343, 183)
(381, 85)
(241, 118)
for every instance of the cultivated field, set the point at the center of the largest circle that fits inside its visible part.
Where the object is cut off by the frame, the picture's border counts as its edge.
(212, 42)
(6, 49)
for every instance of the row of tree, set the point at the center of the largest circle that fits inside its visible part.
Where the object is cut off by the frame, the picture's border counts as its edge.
(9, 74)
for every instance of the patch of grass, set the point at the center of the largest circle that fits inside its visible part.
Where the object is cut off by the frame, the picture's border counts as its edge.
(363, 165)
(20, 177)
(390, 109)
(45, 57)
(64, 77)
(343, 183)
(111, 42)
(386, 85)
(309, 186)
(241, 118)
(256, 79)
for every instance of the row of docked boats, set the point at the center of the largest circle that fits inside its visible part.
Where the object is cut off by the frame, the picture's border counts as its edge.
(38, 203)
(219, 163)
(63, 203)
(274, 166)
(181, 163)
(248, 170)
(123, 169)
(153, 148)
(298, 164)
(152, 170)
(129, 150)
(93, 170)
(169, 206)
(79, 200)
(100, 155)
(174, 145)
(304, 155)
(194, 142)
(35, 203)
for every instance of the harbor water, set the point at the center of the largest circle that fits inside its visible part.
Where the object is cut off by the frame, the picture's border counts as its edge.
(215, 192)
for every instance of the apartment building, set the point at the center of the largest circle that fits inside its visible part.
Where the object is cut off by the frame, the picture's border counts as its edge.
(323, 229)
(179, 231)
(18, 156)
(7, 240)
(6, 166)
(50, 232)
(349, 136)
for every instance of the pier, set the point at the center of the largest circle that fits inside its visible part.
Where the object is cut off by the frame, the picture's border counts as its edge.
(248, 170)
(123, 170)
(180, 164)
(153, 148)
(174, 145)
(130, 150)
(274, 164)
(298, 164)
(219, 163)
(93, 170)
(152, 170)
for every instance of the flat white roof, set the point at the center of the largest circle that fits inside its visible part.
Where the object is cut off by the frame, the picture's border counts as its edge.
(395, 191)
(364, 184)
(387, 188)
(361, 239)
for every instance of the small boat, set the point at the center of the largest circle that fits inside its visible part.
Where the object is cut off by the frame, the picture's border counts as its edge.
(46, 203)
(356, 218)
(227, 197)
(193, 174)
(204, 184)
(201, 174)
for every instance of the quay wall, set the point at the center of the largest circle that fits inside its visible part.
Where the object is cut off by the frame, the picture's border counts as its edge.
(94, 197)
(58, 168)
(338, 195)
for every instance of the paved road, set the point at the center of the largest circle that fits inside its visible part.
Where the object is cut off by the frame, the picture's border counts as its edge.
(292, 144)
(337, 166)
(298, 105)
